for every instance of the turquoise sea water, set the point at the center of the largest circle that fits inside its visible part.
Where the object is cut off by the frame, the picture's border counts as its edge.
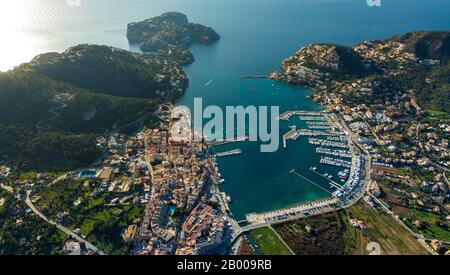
(256, 36)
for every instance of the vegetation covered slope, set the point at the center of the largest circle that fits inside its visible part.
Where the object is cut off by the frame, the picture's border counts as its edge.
(416, 62)
(113, 71)
(51, 108)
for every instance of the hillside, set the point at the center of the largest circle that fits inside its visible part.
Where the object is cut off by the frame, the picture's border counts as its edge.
(417, 62)
(427, 45)
(113, 71)
(52, 108)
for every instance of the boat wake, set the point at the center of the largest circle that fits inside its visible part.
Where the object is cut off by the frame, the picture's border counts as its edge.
(211, 81)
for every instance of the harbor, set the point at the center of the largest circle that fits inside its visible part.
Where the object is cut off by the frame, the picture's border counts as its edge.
(353, 178)
(328, 143)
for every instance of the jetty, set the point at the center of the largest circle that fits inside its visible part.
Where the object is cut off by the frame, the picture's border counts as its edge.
(334, 152)
(288, 114)
(332, 183)
(328, 143)
(229, 153)
(312, 118)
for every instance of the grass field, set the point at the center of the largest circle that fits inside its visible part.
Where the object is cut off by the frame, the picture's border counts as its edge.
(383, 229)
(269, 242)
(436, 112)
(332, 234)
(327, 234)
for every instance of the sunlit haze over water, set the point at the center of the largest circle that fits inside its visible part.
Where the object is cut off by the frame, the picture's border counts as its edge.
(24, 27)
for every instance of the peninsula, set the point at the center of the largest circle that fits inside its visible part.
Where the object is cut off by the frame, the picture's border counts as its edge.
(170, 34)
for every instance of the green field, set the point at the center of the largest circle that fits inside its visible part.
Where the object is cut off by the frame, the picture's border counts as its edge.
(436, 112)
(383, 229)
(269, 242)
(332, 234)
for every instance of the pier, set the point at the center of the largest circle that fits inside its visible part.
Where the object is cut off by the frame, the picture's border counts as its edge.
(229, 153)
(332, 183)
(335, 162)
(292, 134)
(227, 141)
(308, 180)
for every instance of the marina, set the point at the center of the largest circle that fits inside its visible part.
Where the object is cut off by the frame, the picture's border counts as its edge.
(328, 143)
(312, 118)
(305, 132)
(286, 116)
(335, 162)
(327, 177)
(333, 152)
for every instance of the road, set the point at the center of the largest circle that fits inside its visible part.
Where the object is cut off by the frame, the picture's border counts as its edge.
(419, 237)
(140, 121)
(282, 240)
(61, 227)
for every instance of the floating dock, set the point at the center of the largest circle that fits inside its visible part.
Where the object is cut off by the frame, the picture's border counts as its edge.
(329, 143)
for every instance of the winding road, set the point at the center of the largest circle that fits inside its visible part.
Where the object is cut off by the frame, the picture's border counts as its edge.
(64, 229)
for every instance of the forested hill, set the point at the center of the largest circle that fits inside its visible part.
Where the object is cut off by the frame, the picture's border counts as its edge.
(52, 107)
(417, 62)
(431, 84)
(113, 71)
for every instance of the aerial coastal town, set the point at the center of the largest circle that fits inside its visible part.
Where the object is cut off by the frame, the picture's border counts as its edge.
(407, 146)
(127, 184)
